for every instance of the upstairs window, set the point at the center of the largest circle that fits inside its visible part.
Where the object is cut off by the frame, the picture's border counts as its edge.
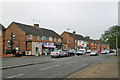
(30, 36)
(55, 39)
(37, 37)
(59, 40)
(43, 38)
(50, 38)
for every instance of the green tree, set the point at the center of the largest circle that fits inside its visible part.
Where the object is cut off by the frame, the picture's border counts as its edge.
(110, 36)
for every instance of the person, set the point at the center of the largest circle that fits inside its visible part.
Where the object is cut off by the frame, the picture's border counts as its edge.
(17, 52)
(14, 51)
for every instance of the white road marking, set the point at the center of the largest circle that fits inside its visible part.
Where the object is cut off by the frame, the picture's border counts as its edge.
(50, 67)
(15, 76)
(71, 62)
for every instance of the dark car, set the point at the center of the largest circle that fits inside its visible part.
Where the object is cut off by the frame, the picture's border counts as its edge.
(71, 52)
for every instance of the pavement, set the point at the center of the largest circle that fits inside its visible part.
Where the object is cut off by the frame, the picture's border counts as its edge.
(98, 70)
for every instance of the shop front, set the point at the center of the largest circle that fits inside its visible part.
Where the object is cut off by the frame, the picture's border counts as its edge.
(47, 48)
(58, 45)
(36, 48)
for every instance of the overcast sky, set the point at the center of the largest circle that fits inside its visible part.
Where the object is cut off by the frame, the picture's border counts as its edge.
(86, 18)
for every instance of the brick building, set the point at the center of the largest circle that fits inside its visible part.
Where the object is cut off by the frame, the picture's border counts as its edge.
(103, 45)
(75, 41)
(31, 39)
(2, 39)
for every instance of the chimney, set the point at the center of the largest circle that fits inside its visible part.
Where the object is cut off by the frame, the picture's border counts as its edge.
(36, 25)
(74, 32)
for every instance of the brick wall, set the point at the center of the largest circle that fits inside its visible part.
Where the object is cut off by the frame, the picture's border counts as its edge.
(64, 40)
(19, 37)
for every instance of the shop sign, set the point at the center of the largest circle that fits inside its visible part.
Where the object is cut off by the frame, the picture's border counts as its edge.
(52, 44)
(37, 45)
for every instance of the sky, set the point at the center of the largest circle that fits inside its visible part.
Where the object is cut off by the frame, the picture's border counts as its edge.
(87, 18)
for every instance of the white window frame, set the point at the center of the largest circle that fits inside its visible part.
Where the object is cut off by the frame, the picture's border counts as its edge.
(55, 39)
(50, 38)
(30, 36)
(37, 37)
(44, 38)
(59, 39)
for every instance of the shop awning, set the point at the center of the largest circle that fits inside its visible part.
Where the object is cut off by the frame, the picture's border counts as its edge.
(49, 46)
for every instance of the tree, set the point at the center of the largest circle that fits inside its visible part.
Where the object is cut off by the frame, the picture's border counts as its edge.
(110, 36)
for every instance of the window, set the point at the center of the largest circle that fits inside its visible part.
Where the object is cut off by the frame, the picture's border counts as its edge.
(37, 37)
(92, 43)
(43, 38)
(50, 38)
(59, 40)
(9, 43)
(30, 36)
(75, 41)
(64, 47)
(68, 41)
(55, 39)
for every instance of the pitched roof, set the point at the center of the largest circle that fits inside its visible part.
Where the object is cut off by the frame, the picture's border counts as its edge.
(2, 27)
(102, 42)
(77, 36)
(37, 31)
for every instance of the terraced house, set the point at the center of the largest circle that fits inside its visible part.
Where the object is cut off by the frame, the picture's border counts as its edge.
(75, 41)
(32, 40)
(2, 39)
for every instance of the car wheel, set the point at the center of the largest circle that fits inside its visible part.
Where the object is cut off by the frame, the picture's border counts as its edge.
(51, 56)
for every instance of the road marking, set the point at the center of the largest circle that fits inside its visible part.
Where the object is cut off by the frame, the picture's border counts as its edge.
(71, 62)
(50, 67)
(15, 76)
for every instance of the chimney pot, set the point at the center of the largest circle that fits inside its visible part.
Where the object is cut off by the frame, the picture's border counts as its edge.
(36, 25)
(74, 32)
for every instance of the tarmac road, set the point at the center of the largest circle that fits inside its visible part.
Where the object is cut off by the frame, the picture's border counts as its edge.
(60, 68)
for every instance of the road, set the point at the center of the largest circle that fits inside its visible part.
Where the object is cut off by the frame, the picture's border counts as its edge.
(60, 68)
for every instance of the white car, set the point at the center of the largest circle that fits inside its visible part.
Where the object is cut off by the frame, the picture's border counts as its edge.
(94, 53)
(57, 53)
(88, 51)
(105, 51)
(81, 52)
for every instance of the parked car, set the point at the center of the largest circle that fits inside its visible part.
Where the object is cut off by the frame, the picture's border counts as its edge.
(66, 53)
(57, 53)
(94, 53)
(81, 52)
(88, 51)
(104, 51)
(71, 52)
(111, 51)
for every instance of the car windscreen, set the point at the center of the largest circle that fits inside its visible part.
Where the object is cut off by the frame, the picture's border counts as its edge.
(93, 51)
(56, 51)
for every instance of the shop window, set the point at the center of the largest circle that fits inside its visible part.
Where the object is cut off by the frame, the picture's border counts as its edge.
(30, 36)
(37, 37)
(9, 43)
(55, 39)
(68, 41)
(43, 38)
(64, 47)
(59, 40)
(50, 38)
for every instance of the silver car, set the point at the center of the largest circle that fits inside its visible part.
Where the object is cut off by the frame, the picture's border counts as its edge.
(94, 53)
(57, 53)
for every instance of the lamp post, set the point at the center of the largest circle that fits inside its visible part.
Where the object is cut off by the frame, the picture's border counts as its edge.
(67, 38)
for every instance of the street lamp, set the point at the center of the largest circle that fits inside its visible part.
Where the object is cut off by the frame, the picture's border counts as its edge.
(67, 38)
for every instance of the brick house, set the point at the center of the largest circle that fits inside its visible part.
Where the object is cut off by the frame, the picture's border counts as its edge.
(75, 41)
(31, 39)
(2, 39)
(103, 45)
